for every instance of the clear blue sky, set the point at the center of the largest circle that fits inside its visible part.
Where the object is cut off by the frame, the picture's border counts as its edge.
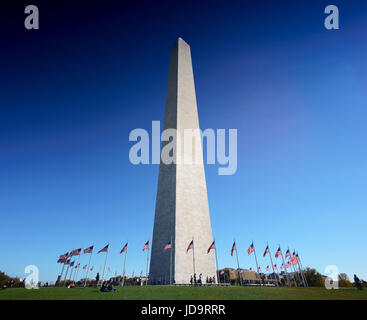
(71, 92)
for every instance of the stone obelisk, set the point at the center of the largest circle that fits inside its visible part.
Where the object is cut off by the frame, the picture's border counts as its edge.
(182, 210)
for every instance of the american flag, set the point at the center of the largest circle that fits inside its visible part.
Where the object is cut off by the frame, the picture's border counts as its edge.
(250, 248)
(85, 267)
(105, 249)
(258, 269)
(281, 267)
(266, 251)
(146, 246)
(124, 248)
(287, 254)
(222, 272)
(91, 269)
(250, 269)
(274, 266)
(294, 260)
(76, 252)
(278, 253)
(233, 248)
(212, 246)
(67, 261)
(72, 264)
(267, 268)
(167, 246)
(88, 250)
(61, 260)
(191, 246)
(77, 266)
(288, 265)
(64, 256)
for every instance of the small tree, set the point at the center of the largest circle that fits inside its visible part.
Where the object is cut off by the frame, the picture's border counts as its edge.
(3, 278)
(344, 281)
(314, 279)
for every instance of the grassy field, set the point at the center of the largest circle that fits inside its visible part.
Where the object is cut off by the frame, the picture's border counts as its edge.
(183, 293)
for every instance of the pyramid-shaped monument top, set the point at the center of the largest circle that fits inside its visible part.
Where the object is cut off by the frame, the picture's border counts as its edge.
(182, 210)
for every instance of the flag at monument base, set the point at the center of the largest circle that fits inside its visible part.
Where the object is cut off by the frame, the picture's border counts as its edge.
(168, 246)
(191, 245)
(146, 246)
(278, 252)
(281, 267)
(72, 264)
(124, 248)
(85, 267)
(287, 254)
(267, 268)
(77, 266)
(250, 269)
(233, 248)
(222, 272)
(88, 250)
(288, 265)
(212, 246)
(274, 266)
(105, 249)
(91, 269)
(259, 269)
(266, 251)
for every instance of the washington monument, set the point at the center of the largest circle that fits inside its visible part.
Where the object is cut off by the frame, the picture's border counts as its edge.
(182, 210)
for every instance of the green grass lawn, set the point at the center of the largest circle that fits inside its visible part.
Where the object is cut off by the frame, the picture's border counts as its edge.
(183, 293)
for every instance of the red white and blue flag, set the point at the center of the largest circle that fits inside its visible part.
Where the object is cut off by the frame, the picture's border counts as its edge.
(278, 253)
(212, 246)
(281, 267)
(88, 250)
(233, 248)
(267, 268)
(191, 246)
(250, 269)
(85, 267)
(67, 261)
(105, 249)
(250, 248)
(72, 264)
(266, 251)
(77, 266)
(76, 252)
(222, 272)
(259, 269)
(146, 246)
(288, 264)
(124, 248)
(274, 266)
(168, 246)
(287, 254)
(91, 269)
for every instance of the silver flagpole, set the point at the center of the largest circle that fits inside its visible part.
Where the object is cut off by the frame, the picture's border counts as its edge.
(257, 265)
(170, 263)
(123, 274)
(146, 272)
(272, 265)
(193, 253)
(67, 270)
(238, 264)
(62, 271)
(71, 273)
(86, 275)
(302, 270)
(285, 268)
(216, 260)
(77, 269)
(104, 268)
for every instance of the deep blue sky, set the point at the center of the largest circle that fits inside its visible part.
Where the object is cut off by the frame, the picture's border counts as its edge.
(71, 92)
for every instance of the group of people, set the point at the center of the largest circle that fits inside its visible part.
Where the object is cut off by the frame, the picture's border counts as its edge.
(194, 280)
(358, 282)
